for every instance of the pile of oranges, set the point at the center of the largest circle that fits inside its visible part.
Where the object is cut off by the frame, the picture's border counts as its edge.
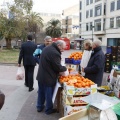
(76, 55)
(76, 81)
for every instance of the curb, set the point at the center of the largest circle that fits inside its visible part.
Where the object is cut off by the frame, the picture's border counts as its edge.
(9, 64)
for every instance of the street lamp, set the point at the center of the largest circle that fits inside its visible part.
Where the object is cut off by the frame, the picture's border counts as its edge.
(92, 31)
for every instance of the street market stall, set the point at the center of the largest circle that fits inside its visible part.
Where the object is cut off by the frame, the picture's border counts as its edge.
(73, 89)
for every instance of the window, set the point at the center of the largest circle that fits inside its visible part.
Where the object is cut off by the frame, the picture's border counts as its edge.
(80, 16)
(111, 22)
(87, 14)
(87, 27)
(91, 1)
(98, 25)
(104, 24)
(87, 2)
(118, 4)
(91, 13)
(80, 5)
(104, 9)
(118, 21)
(98, 10)
(112, 7)
(91, 25)
(97, 0)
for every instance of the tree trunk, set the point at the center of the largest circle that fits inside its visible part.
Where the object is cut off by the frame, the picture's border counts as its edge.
(8, 43)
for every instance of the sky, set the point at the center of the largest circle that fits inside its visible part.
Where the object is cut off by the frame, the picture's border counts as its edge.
(50, 6)
(53, 6)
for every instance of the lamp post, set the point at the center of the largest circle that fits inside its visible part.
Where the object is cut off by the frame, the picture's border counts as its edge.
(92, 31)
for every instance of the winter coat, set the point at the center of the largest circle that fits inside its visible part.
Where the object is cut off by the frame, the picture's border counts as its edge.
(95, 68)
(50, 66)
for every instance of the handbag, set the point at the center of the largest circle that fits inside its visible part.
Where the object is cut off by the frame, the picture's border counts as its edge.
(2, 99)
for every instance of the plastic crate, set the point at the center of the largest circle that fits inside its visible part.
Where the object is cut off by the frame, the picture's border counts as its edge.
(108, 49)
(76, 62)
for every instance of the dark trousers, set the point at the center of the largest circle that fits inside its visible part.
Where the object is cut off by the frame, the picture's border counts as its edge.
(29, 75)
(45, 94)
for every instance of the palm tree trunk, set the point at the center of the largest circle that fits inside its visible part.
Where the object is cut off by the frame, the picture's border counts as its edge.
(8, 43)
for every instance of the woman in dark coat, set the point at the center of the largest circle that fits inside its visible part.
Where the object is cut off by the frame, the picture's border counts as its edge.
(95, 68)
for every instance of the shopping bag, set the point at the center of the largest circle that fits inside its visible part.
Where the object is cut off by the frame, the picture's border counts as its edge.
(2, 99)
(85, 59)
(20, 74)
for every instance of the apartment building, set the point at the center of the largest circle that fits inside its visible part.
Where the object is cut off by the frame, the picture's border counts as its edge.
(100, 19)
(70, 22)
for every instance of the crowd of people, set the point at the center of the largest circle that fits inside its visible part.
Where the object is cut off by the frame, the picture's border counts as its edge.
(48, 56)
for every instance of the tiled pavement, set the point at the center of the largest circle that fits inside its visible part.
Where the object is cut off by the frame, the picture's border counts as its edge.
(21, 104)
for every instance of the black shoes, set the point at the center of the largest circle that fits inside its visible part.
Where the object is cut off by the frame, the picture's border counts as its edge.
(31, 89)
(52, 111)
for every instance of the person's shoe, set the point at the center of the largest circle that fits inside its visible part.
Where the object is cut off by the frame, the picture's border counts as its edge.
(52, 111)
(39, 110)
(31, 89)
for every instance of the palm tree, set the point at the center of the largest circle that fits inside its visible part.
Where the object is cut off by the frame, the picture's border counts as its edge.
(54, 28)
(34, 22)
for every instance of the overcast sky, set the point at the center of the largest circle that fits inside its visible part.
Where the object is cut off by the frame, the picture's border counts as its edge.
(53, 6)
(50, 6)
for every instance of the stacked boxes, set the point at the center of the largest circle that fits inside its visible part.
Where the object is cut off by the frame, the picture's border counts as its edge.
(112, 57)
(107, 62)
(114, 53)
(72, 98)
(118, 54)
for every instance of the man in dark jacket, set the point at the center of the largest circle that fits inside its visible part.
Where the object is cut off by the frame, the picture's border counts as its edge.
(38, 51)
(48, 71)
(26, 53)
(95, 68)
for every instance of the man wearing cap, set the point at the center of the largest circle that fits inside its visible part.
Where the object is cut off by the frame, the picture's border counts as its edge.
(38, 51)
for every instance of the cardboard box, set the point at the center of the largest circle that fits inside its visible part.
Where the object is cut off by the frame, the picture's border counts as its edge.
(115, 73)
(68, 110)
(73, 67)
(116, 91)
(71, 90)
(82, 115)
(73, 100)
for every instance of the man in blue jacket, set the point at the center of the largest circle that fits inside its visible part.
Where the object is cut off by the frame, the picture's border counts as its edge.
(38, 51)
(95, 68)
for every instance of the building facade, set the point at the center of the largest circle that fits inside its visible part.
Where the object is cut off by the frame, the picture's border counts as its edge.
(70, 22)
(100, 19)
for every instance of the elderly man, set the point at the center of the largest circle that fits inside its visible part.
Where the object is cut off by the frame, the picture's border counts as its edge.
(38, 51)
(95, 68)
(48, 71)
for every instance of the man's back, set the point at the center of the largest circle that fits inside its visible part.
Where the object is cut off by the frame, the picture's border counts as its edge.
(26, 53)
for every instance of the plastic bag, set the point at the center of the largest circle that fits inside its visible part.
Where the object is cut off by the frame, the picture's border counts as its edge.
(20, 74)
(66, 73)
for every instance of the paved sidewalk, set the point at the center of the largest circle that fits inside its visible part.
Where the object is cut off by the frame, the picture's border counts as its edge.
(21, 104)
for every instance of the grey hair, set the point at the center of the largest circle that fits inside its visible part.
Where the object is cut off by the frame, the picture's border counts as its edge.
(61, 42)
(88, 42)
(47, 37)
(97, 43)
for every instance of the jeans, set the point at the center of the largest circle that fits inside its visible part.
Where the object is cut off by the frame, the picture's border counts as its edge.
(45, 94)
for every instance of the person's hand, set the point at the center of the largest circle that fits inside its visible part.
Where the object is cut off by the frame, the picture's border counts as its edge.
(19, 65)
(82, 69)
